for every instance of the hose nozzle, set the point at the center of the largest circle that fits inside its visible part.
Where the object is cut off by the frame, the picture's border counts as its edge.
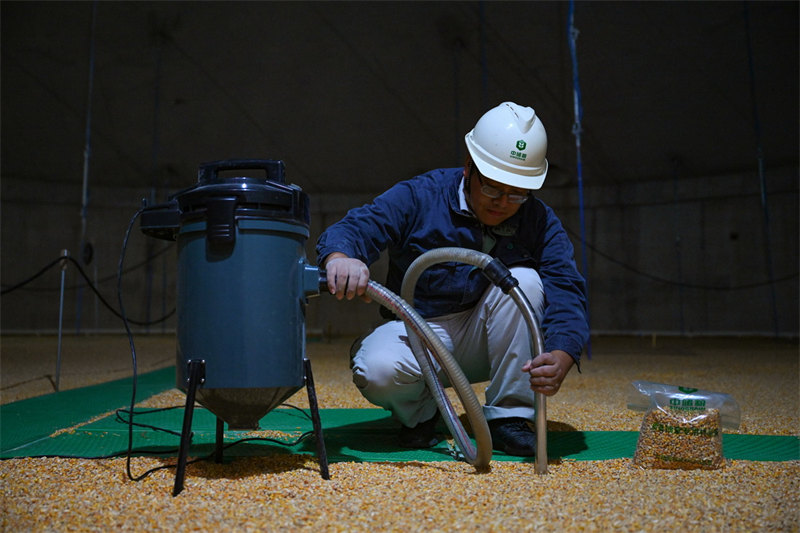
(500, 275)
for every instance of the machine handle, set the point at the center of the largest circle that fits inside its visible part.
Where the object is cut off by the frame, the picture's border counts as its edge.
(276, 170)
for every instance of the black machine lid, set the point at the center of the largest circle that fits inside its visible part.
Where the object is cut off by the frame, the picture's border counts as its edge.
(268, 197)
(240, 196)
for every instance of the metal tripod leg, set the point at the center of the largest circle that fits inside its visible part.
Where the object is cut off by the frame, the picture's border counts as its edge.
(322, 454)
(218, 445)
(197, 375)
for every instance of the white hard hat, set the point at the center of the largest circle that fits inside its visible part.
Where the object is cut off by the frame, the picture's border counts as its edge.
(508, 145)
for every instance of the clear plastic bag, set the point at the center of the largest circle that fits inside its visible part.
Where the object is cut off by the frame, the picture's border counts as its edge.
(643, 394)
(682, 427)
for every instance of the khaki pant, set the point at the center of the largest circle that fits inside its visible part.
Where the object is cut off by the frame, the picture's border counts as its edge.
(491, 342)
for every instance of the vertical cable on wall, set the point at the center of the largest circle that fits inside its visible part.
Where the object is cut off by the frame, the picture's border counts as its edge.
(676, 218)
(87, 154)
(761, 177)
(572, 36)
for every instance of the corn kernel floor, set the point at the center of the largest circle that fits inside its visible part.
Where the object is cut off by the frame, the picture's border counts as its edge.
(287, 492)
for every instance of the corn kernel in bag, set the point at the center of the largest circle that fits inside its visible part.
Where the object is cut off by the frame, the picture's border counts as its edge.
(682, 427)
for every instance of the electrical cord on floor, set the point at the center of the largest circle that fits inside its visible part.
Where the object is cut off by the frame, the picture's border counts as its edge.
(119, 418)
(119, 412)
(131, 343)
(144, 451)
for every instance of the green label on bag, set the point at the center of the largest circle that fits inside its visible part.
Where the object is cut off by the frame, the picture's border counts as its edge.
(680, 430)
(687, 404)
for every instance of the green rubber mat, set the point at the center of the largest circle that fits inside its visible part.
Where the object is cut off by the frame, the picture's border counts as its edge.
(365, 435)
(33, 419)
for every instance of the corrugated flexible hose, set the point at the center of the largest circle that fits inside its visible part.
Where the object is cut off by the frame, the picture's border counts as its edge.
(498, 274)
(424, 342)
(419, 333)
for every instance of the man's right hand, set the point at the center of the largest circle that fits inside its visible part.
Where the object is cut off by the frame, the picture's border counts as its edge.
(347, 276)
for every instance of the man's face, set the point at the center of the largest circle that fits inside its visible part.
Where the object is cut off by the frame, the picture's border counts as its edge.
(491, 211)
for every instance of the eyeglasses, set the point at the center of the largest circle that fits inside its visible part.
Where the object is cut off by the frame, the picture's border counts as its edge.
(494, 192)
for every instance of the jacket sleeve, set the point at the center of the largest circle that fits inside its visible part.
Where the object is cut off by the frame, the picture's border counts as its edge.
(366, 231)
(565, 322)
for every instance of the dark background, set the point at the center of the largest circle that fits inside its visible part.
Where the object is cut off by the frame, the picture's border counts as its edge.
(689, 139)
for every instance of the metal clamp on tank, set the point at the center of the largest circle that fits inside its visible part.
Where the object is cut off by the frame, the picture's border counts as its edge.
(221, 221)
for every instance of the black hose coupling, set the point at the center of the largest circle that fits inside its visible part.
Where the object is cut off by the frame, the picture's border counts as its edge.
(500, 275)
(323, 280)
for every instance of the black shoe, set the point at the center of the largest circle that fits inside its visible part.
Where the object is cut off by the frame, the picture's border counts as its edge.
(423, 435)
(513, 436)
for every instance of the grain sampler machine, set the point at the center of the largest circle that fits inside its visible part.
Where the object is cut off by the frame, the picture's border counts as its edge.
(242, 285)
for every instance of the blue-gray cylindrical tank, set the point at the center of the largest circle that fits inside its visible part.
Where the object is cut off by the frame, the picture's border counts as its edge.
(242, 285)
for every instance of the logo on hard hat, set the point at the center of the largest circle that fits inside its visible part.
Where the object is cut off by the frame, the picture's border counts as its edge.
(519, 155)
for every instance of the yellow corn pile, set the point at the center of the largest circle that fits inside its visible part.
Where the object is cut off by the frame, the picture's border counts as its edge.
(287, 493)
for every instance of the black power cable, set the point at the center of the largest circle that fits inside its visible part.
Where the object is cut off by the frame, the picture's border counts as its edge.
(659, 279)
(130, 341)
(99, 281)
(39, 274)
(141, 451)
(89, 283)
(144, 451)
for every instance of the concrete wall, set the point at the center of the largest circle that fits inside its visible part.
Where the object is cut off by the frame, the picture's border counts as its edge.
(667, 257)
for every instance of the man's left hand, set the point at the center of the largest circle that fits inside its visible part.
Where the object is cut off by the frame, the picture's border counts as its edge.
(548, 370)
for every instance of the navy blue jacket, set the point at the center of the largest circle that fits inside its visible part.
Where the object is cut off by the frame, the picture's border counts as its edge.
(424, 213)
